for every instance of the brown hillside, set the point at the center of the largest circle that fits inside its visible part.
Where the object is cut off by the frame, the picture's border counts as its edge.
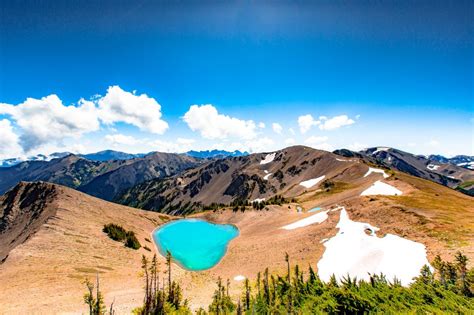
(58, 242)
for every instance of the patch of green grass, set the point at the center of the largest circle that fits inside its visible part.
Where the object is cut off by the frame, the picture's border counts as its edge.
(330, 188)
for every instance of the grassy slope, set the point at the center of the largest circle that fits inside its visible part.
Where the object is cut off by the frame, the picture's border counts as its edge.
(452, 210)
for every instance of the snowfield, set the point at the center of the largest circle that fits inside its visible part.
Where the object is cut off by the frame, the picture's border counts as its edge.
(311, 182)
(258, 200)
(432, 167)
(380, 188)
(353, 252)
(268, 158)
(319, 217)
(376, 170)
(239, 278)
(267, 176)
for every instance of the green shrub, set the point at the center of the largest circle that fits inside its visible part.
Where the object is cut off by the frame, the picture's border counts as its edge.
(119, 234)
(132, 241)
(115, 232)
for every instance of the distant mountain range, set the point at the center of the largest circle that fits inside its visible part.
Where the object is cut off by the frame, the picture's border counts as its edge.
(103, 179)
(110, 155)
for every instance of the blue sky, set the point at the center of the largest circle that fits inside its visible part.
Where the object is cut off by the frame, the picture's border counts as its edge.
(369, 74)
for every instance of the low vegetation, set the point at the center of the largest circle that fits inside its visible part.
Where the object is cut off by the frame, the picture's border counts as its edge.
(119, 234)
(448, 288)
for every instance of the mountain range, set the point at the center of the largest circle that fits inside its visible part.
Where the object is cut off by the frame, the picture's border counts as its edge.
(109, 174)
(111, 155)
(287, 201)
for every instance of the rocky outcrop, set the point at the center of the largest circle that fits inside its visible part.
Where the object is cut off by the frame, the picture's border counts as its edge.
(23, 210)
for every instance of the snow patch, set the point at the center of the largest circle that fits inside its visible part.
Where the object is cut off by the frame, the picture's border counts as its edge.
(268, 158)
(239, 278)
(258, 200)
(352, 252)
(342, 160)
(311, 182)
(319, 217)
(267, 176)
(376, 170)
(265, 171)
(432, 167)
(380, 149)
(380, 188)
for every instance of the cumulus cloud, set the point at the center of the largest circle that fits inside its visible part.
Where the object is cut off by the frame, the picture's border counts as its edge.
(261, 125)
(306, 122)
(48, 120)
(9, 141)
(120, 139)
(141, 111)
(335, 122)
(211, 125)
(277, 128)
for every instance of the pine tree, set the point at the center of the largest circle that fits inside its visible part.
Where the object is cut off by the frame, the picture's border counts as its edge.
(247, 294)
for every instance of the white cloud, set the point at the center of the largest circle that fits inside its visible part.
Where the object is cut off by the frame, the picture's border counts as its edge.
(120, 139)
(139, 110)
(277, 128)
(211, 125)
(292, 131)
(261, 125)
(335, 122)
(306, 122)
(48, 121)
(9, 141)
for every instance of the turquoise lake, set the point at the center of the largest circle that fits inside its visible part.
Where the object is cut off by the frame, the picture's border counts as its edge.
(195, 244)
